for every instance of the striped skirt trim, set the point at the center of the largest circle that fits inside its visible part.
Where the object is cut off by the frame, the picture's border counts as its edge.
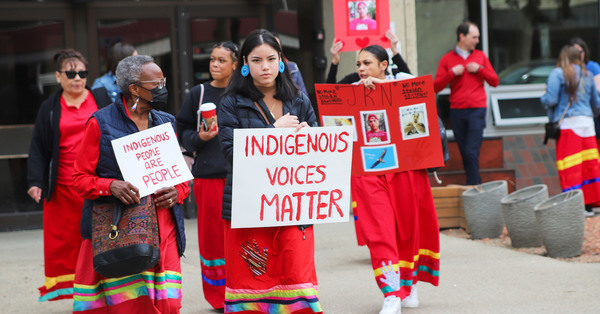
(56, 288)
(282, 299)
(112, 291)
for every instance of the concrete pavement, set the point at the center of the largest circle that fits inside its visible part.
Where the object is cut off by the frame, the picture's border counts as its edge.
(474, 278)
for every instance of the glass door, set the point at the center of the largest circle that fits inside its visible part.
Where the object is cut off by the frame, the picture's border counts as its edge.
(27, 47)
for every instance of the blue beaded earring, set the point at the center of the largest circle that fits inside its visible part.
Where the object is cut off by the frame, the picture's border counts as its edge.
(281, 66)
(245, 70)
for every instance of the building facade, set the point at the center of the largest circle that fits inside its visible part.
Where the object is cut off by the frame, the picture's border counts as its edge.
(521, 37)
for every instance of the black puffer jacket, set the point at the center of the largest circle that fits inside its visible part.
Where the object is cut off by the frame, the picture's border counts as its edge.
(238, 112)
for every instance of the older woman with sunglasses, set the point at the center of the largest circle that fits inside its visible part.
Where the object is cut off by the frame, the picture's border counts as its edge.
(56, 136)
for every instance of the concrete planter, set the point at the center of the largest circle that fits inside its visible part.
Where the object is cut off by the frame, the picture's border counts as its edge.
(561, 223)
(483, 210)
(517, 210)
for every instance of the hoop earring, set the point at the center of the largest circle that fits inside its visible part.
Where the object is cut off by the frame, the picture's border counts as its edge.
(135, 104)
(245, 70)
(281, 66)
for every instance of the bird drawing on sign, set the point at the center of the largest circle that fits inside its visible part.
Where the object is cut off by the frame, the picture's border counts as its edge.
(380, 159)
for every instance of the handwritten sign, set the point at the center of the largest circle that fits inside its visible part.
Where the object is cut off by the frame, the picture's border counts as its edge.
(151, 159)
(396, 124)
(283, 178)
(360, 23)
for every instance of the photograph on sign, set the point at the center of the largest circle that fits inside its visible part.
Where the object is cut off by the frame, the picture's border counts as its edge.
(379, 158)
(340, 121)
(362, 16)
(413, 121)
(151, 159)
(359, 24)
(282, 177)
(375, 127)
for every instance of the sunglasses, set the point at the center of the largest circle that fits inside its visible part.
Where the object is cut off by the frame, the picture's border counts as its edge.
(161, 82)
(71, 74)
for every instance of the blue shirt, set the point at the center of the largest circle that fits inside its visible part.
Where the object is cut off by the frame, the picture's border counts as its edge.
(108, 81)
(556, 98)
(593, 67)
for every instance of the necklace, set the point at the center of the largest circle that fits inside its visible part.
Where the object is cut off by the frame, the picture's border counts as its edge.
(273, 107)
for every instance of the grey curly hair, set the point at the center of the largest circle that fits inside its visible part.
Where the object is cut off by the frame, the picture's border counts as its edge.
(129, 70)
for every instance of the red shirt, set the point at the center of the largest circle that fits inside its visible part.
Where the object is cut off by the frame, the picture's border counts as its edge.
(71, 127)
(85, 180)
(466, 90)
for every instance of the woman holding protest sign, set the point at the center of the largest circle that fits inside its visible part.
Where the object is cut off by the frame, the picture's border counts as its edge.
(280, 260)
(394, 214)
(56, 137)
(209, 169)
(98, 177)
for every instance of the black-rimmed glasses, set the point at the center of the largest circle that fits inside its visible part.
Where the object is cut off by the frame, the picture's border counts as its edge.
(161, 82)
(71, 74)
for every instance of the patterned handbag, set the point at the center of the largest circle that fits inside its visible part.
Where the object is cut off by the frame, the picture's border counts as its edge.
(125, 239)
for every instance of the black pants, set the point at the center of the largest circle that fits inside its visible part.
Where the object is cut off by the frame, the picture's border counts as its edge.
(468, 125)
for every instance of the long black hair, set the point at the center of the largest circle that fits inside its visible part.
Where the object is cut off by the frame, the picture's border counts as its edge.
(244, 86)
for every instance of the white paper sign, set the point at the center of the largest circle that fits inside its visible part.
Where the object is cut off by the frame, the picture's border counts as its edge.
(151, 159)
(283, 178)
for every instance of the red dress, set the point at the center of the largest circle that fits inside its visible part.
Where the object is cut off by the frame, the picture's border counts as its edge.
(156, 290)
(396, 218)
(62, 213)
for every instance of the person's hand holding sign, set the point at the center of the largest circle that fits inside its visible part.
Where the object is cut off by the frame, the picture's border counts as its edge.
(290, 121)
(125, 192)
(166, 197)
(370, 82)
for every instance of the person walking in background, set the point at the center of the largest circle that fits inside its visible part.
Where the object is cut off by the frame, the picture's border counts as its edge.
(98, 177)
(56, 137)
(594, 68)
(465, 69)
(269, 270)
(209, 170)
(116, 53)
(572, 100)
(394, 214)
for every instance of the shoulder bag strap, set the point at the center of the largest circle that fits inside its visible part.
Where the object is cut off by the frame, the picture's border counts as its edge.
(200, 104)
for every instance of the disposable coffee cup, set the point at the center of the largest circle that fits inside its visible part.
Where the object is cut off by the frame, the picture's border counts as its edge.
(209, 114)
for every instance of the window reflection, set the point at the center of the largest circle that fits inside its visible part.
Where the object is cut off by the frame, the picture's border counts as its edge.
(27, 68)
(526, 35)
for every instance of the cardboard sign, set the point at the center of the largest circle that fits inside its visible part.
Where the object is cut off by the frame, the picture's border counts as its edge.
(396, 124)
(283, 178)
(151, 159)
(359, 24)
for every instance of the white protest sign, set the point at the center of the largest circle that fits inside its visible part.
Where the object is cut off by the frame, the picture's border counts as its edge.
(283, 178)
(151, 159)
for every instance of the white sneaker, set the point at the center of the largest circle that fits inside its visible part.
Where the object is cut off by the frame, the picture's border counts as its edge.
(412, 300)
(391, 305)
(589, 214)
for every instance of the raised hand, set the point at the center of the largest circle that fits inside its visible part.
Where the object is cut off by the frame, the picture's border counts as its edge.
(336, 46)
(392, 278)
